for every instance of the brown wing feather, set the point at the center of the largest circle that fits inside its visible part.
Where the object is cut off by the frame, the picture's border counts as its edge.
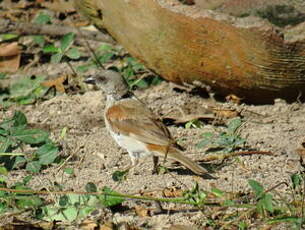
(131, 117)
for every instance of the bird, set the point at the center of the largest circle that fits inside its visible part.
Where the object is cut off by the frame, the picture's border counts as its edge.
(134, 126)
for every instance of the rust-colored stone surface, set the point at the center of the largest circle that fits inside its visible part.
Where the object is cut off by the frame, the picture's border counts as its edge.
(249, 56)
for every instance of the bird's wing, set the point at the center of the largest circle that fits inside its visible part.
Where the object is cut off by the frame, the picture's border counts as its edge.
(131, 117)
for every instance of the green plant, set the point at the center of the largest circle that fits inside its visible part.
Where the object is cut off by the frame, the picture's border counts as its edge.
(41, 19)
(15, 202)
(104, 54)
(15, 136)
(2, 76)
(195, 196)
(226, 141)
(25, 90)
(295, 208)
(128, 66)
(195, 123)
(63, 50)
(264, 200)
(131, 71)
(68, 207)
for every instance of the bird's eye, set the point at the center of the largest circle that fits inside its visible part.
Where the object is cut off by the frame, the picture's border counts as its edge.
(100, 79)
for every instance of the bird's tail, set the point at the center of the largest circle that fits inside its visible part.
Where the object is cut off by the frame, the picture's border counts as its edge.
(177, 155)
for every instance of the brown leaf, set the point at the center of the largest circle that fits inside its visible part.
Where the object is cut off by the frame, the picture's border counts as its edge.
(172, 192)
(58, 83)
(107, 226)
(88, 225)
(233, 98)
(10, 55)
(141, 211)
(9, 49)
(225, 113)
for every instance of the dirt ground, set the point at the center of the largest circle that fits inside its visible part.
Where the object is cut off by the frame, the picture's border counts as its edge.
(278, 128)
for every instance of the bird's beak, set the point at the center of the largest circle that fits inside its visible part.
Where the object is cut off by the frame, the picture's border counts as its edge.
(90, 80)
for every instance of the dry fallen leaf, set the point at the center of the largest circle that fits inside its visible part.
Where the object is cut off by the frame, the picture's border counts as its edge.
(172, 192)
(234, 99)
(88, 225)
(107, 226)
(141, 211)
(225, 113)
(58, 83)
(10, 55)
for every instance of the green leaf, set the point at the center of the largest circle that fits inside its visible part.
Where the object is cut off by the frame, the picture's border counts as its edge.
(267, 202)
(70, 213)
(119, 175)
(207, 139)
(38, 39)
(5, 37)
(3, 207)
(19, 161)
(156, 80)
(69, 171)
(217, 192)
(3, 132)
(42, 19)
(5, 101)
(2, 76)
(5, 144)
(134, 64)
(242, 226)
(19, 119)
(141, 83)
(26, 86)
(63, 133)
(90, 187)
(66, 41)
(104, 48)
(296, 180)
(233, 125)
(47, 153)
(33, 166)
(256, 187)
(63, 201)
(73, 53)
(108, 200)
(28, 201)
(50, 49)
(228, 203)
(30, 136)
(105, 57)
(27, 179)
(56, 58)
(3, 171)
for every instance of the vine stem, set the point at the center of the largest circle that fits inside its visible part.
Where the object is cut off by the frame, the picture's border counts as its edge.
(179, 200)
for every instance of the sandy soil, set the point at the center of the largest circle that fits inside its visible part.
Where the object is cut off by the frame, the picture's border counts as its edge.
(278, 128)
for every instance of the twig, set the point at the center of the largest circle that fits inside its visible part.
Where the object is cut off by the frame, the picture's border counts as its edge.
(214, 157)
(24, 28)
(12, 154)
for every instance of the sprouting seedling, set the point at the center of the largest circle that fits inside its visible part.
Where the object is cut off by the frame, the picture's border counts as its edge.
(226, 141)
(63, 50)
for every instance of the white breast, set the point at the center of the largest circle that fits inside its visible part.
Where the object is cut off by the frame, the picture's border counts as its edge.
(130, 144)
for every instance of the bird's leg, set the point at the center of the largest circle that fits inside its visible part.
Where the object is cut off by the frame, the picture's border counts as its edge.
(156, 166)
(134, 162)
